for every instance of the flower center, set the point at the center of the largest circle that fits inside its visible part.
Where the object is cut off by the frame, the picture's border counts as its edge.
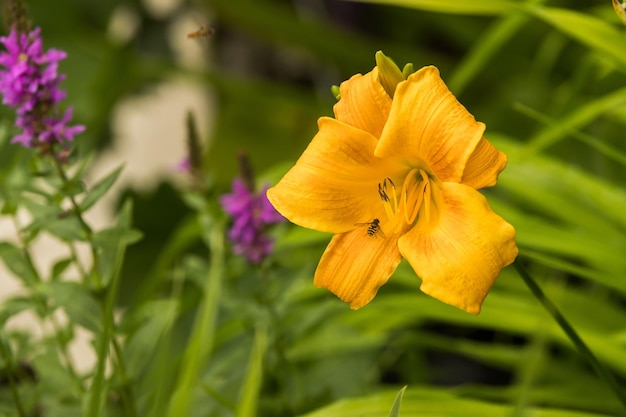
(416, 201)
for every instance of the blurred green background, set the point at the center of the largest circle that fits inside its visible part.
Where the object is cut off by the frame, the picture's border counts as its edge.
(547, 77)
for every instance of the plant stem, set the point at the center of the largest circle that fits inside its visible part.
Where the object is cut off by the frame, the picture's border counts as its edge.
(107, 304)
(44, 310)
(602, 371)
(78, 212)
(127, 392)
(199, 348)
(8, 361)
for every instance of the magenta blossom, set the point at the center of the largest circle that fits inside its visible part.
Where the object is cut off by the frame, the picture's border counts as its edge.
(251, 213)
(29, 83)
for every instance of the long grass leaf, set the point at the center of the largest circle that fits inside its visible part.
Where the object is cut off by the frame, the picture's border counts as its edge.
(249, 396)
(479, 7)
(587, 29)
(199, 348)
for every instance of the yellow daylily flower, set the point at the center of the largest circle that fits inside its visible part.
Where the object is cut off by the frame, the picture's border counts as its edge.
(395, 174)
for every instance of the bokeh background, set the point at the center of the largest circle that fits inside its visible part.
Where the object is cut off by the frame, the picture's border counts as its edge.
(550, 89)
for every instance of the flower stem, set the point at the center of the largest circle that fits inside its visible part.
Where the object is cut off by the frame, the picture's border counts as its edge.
(10, 366)
(602, 371)
(198, 350)
(107, 304)
(78, 212)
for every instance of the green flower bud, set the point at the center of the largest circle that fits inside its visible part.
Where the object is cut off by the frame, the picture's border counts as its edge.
(389, 75)
(408, 70)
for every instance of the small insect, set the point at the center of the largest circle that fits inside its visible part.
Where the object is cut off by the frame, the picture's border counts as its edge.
(200, 33)
(373, 228)
(620, 9)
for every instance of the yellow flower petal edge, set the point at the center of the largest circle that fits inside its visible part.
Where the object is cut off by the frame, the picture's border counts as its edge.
(460, 259)
(355, 265)
(398, 177)
(483, 166)
(364, 104)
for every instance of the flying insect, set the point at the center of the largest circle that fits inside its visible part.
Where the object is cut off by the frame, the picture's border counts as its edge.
(200, 33)
(373, 228)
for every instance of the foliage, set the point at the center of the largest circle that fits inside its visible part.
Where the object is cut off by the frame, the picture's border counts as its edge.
(179, 326)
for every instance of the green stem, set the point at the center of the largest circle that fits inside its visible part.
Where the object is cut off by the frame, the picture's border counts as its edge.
(106, 337)
(199, 349)
(10, 366)
(107, 304)
(128, 395)
(86, 228)
(602, 371)
(43, 307)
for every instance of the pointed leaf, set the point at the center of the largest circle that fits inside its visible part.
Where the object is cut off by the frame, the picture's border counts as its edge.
(250, 391)
(479, 7)
(590, 30)
(99, 189)
(395, 410)
(76, 300)
(18, 263)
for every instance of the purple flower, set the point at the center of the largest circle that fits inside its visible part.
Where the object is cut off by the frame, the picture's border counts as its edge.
(251, 213)
(184, 165)
(29, 83)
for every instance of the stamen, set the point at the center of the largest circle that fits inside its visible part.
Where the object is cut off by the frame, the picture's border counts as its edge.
(427, 191)
(415, 193)
(391, 208)
(395, 196)
(418, 204)
(381, 192)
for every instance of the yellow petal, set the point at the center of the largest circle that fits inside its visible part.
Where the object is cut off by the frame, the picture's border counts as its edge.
(428, 124)
(459, 259)
(334, 183)
(364, 103)
(355, 265)
(483, 166)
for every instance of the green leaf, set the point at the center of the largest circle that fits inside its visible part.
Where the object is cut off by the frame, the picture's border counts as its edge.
(114, 241)
(18, 263)
(579, 117)
(59, 267)
(433, 402)
(116, 235)
(77, 302)
(68, 229)
(479, 7)
(99, 189)
(590, 30)
(395, 410)
(13, 306)
(249, 397)
(73, 187)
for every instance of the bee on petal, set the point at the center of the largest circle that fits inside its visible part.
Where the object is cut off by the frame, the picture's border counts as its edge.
(620, 9)
(200, 33)
(373, 228)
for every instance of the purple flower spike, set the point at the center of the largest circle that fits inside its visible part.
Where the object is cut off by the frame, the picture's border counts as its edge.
(29, 83)
(251, 213)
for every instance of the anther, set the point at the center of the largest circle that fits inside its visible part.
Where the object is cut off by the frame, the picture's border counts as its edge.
(381, 192)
